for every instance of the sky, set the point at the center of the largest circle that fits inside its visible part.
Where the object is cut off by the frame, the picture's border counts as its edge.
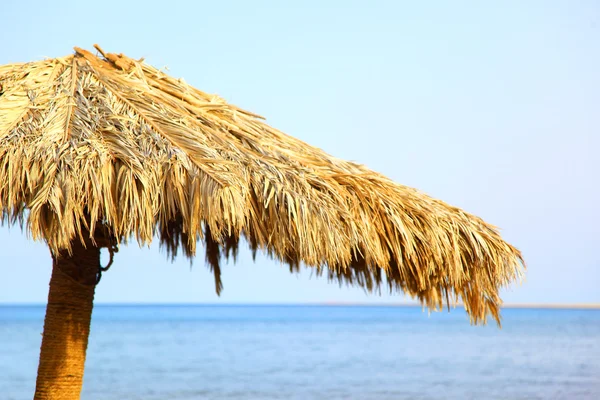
(493, 107)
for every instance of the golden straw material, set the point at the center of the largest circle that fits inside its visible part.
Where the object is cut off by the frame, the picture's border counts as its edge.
(88, 141)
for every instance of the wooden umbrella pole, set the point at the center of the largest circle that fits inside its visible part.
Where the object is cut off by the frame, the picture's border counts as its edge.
(67, 322)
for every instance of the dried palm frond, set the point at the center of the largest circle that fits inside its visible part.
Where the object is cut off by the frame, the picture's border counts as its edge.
(88, 141)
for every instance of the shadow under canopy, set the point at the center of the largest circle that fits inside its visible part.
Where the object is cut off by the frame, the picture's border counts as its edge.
(96, 150)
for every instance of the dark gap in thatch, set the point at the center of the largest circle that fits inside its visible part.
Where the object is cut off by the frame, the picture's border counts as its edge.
(213, 257)
(173, 237)
(230, 247)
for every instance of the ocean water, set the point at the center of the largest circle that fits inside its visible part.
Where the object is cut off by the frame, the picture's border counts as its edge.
(316, 352)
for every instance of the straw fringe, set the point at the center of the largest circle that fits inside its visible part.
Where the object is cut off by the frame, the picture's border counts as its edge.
(109, 140)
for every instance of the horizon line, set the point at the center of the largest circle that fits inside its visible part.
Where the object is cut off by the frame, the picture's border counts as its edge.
(572, 306)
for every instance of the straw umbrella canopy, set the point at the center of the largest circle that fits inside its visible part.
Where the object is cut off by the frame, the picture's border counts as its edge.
(96, 150)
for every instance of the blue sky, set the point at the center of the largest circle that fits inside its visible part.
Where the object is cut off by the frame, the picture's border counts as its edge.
(491, 107)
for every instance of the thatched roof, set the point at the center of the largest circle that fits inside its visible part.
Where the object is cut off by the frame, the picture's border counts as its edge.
(108, 140)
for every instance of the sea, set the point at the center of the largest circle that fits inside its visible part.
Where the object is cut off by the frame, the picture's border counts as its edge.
(316, 352)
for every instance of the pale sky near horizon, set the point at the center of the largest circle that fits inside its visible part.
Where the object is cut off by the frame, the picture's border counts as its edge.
(494, 108)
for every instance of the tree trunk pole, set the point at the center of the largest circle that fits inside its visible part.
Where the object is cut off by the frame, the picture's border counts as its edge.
(67, 323)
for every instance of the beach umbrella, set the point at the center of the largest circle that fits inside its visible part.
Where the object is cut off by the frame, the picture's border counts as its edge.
(98, 150)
